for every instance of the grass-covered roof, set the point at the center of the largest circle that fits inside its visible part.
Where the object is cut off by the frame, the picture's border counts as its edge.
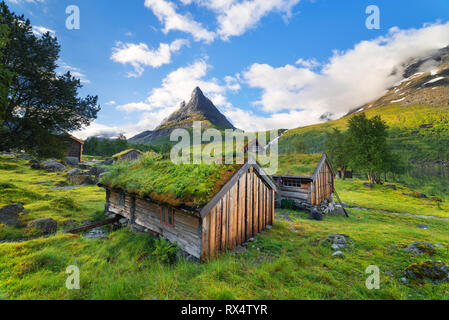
(190, 185)
(298, 164)
(120, 154)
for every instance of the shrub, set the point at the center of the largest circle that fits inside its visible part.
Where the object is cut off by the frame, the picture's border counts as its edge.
(287, 204)
(66, 203)
(165, 251)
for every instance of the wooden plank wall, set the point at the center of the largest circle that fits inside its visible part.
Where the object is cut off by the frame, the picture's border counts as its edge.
(245, 210)
(323, 186)
(186, 231)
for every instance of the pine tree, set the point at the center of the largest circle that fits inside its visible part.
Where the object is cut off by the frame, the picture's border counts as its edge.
(40, 104)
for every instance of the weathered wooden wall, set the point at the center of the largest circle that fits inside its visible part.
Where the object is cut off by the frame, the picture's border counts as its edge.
(323, 186)
(186, 231)
(76, 150)
(245, 210)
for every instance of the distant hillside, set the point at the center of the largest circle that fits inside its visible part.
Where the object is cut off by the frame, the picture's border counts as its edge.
(416, 110)
(199, 108)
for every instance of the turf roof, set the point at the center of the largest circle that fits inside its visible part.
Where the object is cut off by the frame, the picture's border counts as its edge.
(189, 185)
(118, 155)
(298, 165)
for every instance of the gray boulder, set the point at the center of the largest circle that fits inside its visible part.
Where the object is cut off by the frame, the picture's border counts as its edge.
(338, 254)
(316, 215)
(108, 162)
(72, 161)
(24, 157)
(421, 248)
(339, 241)
(9, 215)
(433, 271)
(44, 226)
(423, 226)
(52, 166)
(97, 171)
(74, 172)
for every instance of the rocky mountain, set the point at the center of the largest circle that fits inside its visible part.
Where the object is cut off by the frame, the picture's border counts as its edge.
(425, 82)
(199, 108)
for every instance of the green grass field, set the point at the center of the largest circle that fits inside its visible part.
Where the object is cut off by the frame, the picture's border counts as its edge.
(290, 261)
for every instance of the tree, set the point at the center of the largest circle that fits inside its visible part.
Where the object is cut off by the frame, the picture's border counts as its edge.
(40, 104)
(337, 149)
(5, 74)
(367, 146)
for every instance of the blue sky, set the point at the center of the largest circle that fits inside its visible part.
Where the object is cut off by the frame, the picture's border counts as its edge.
(265, 63)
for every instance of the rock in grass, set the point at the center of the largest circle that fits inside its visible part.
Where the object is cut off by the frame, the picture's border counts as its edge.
(72, 161)
(74, 172)
(423, 226)
(338, 254)
(316, 215)
(44, 226)
(433, 271)
(369, 185)
(421, 248)
(9, 215)
(52, 166)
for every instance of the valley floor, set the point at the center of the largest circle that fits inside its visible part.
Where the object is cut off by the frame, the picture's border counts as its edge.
(290, 261)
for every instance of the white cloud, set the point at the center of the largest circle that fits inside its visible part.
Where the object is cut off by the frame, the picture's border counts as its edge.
(39, 31)
(350, 78)
(76, 72)
(236, 17)
(139, 55)
(110, 103)
(178, 85)
(134, 106)
(165, 11)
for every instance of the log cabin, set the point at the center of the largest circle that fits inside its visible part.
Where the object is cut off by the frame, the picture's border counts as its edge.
(130, 155)
(298, 183)
(239, 206)
(75, 148)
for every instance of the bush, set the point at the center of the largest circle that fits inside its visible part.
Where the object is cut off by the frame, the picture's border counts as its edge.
(287, 204)
(165, 251)
(66, 203)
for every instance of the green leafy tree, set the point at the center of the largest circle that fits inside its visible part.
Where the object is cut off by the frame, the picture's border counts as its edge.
(40, 104)
(337, 149)
(367, 146)
(5, 74)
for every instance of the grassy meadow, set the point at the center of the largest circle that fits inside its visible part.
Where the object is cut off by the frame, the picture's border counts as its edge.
(290, 261)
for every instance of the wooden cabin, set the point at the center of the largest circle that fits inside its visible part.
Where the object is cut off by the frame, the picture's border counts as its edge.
(130, 155)
(347, 174)
(308, 190)
(75, 148)
(236, 212)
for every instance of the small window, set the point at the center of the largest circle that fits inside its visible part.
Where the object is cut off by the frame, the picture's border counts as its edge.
(121, 199)
(168, 216)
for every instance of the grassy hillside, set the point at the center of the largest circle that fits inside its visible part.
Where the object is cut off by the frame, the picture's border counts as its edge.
(290, 261)
(419, 133)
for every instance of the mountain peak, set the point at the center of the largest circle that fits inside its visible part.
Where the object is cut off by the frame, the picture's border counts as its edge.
(199, 108)
(197, 92)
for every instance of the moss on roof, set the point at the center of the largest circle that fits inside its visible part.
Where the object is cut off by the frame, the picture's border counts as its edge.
(190, 185)
(118, 155)
(298, 165)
